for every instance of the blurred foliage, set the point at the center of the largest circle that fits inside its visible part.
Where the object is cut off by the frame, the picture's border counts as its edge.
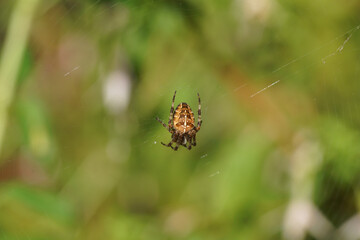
(278, 82)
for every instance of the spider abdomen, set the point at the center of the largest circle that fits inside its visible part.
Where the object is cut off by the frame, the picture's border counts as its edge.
(183, 118)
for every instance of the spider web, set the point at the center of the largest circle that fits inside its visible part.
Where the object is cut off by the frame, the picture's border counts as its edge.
(267, 156)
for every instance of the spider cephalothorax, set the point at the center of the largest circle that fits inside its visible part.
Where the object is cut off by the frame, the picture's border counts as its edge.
(182, 125)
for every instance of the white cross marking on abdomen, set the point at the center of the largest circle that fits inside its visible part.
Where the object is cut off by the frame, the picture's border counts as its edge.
(185, 122)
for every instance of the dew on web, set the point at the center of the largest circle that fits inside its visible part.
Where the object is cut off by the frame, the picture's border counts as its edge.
(74, 69)
(340, 48)
(265, 88)
(214, 174)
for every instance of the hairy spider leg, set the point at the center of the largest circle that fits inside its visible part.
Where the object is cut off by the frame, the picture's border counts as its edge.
(190, 143)
(165, 126)
(179, 141)
(176, 147)
(194, 143)
(173, 139)
(199, 116)
(167, 145)
(172, 110)
(170, 145)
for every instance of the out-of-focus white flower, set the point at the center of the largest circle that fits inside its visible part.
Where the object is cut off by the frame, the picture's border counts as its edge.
(252, 16)
(258, 10)
(117, 91)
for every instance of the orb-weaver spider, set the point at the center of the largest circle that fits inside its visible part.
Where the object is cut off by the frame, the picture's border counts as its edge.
(181, 125)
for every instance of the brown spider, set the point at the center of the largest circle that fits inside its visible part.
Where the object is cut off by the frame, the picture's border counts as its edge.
(182, 125)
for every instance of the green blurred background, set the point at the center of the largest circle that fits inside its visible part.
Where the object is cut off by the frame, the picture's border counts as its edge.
(277, 157)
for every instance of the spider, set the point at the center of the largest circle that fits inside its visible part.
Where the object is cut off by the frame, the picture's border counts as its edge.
(182, 125)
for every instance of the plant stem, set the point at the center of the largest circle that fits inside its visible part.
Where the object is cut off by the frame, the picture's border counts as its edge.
(12, 53)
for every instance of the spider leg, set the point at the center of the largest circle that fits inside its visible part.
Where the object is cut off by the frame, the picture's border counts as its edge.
(199, 116)
(175, 139)
(176, 147)
(165, 126)
(159, 120)
(167, 145)
(190, 143)
(172, 109)
(194, 143)
(179, 141)
(187, 143)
